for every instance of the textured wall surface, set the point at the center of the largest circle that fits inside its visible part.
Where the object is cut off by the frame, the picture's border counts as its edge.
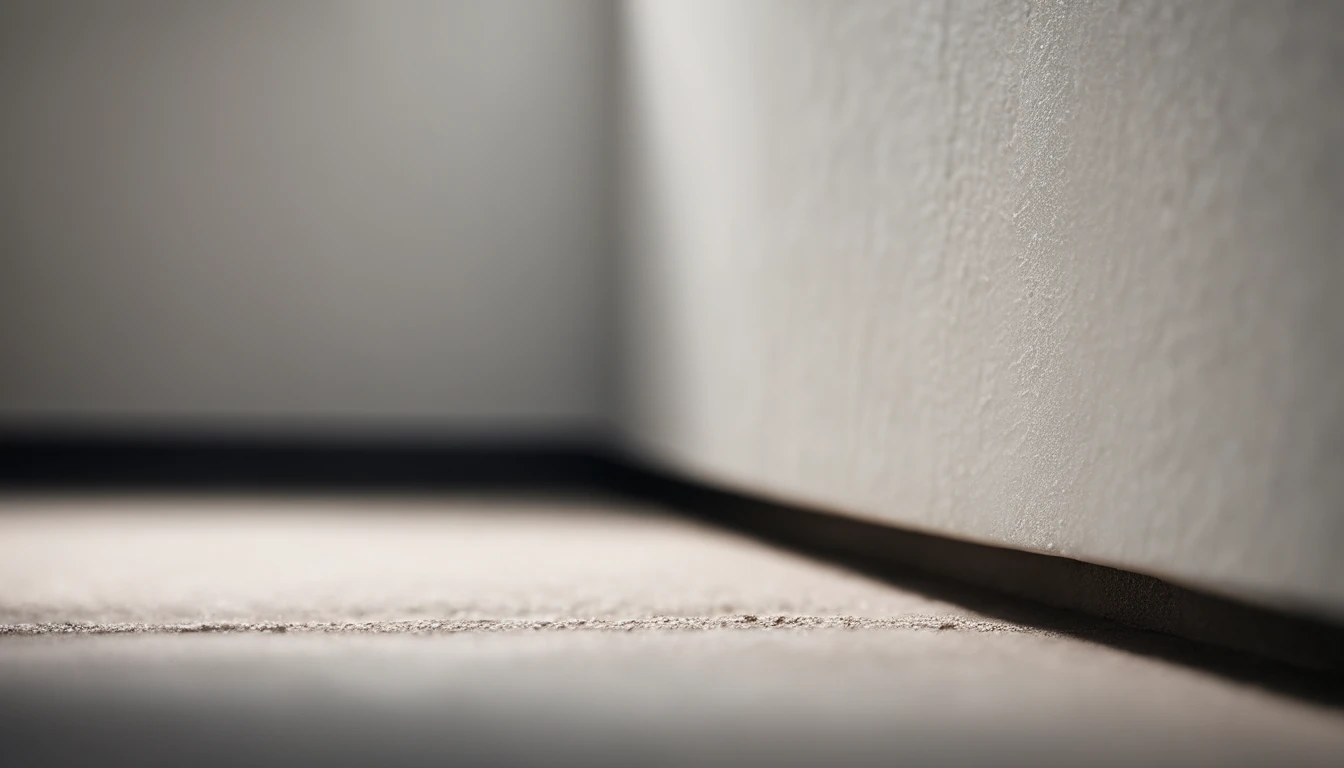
(1065, 277)
(325, 212)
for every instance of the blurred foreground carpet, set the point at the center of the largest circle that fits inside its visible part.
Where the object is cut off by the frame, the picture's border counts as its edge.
(501, 630)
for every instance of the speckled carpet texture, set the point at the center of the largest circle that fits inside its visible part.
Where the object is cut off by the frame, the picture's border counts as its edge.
(499, 630)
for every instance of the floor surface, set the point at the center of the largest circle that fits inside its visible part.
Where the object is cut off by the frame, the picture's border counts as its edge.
(500, 630)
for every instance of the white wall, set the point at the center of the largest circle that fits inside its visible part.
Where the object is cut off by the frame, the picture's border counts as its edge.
(331, 213)
(1061, 276)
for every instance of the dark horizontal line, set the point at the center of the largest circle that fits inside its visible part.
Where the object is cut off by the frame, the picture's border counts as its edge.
(98, 461)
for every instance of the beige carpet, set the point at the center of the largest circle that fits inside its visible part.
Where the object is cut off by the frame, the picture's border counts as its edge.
(375, 629)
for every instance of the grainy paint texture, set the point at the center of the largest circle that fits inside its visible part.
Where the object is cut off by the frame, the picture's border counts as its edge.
(1061, 276)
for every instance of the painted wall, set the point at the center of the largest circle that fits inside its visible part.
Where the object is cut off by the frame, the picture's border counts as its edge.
(1061, 276)
(318, 213)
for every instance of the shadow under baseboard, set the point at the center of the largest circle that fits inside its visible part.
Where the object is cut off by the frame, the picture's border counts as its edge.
(1272, 649)
(1282, 651)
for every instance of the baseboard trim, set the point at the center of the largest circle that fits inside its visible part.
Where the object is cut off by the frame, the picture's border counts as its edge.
(271, 463)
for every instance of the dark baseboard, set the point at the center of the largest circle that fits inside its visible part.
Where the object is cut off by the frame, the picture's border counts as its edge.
(98, 461)
(992, 580)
